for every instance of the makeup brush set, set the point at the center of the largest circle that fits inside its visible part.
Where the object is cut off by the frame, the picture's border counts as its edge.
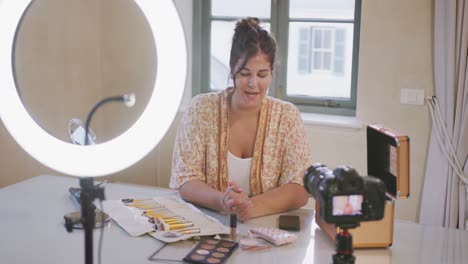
(162, 218)
(167, 218)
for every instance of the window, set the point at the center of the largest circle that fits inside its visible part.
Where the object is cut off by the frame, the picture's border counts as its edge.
(318, 49)
(321, 49)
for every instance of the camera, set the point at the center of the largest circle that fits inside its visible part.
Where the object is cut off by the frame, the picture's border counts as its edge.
(345, 197)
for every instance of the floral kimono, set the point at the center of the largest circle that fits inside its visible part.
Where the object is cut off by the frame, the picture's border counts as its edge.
(281, 153)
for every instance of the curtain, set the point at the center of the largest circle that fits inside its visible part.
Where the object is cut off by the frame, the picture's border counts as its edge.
(444, 196)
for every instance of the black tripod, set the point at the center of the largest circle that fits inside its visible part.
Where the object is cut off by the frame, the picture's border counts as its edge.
(89, 192)
(344, 248)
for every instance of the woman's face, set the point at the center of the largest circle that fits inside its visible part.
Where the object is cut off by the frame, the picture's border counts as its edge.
(252, 82)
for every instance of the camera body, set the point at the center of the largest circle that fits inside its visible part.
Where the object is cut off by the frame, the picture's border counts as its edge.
(345, 197)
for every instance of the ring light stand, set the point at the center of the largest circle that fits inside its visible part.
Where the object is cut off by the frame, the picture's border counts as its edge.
(89, 192)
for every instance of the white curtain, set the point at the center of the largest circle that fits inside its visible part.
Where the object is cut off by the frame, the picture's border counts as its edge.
(444, 197)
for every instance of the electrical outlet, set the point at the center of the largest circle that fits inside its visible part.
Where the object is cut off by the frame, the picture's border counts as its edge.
(412, 96)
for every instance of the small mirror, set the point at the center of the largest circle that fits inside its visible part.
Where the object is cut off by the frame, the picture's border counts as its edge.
(68, 55)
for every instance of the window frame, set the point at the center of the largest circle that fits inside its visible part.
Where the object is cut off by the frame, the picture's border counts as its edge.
(279, 23)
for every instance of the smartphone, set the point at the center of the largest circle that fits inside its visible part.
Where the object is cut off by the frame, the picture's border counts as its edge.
(289, 222)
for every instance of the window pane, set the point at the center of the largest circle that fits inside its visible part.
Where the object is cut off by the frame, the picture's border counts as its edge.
(340, 35)
(303, 66)
(322, 81)
(327, 61)
(322, 9)
(339, 49)
(304, 34)
(338, 67)
(304, 50)
(221, 40)
(241, 8)
(317, 38)
(327, 38)
(317, 60)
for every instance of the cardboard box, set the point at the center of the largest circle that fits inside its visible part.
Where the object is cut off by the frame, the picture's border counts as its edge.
(388, 160)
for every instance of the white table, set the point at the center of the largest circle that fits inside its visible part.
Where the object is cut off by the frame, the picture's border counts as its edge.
(32, 231)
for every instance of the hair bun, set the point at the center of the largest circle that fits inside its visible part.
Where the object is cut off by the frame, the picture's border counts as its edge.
(249, 39)
(247, 24)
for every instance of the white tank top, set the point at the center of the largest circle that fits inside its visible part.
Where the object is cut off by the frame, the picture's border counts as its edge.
(239, 171)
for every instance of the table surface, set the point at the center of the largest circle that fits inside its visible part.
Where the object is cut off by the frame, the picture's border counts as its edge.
(32, 231)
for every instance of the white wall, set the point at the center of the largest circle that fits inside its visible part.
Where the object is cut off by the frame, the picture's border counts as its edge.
(395, 52)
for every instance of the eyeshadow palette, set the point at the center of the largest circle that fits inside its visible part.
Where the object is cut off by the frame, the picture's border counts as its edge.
(211, 251)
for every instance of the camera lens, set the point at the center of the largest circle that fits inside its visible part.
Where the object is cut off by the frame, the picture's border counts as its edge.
(312, 178)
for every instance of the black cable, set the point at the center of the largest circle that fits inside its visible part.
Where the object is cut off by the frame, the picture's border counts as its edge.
(118, 98)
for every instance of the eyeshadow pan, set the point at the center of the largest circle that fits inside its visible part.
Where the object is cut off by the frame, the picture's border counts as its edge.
(218, 255)
(203, 252)
(213, 260)
(197, 257)
(207, 246)
(212, 242)
(227, 244)
(222, 249)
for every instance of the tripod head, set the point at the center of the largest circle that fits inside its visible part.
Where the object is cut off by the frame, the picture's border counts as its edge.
(344, 248)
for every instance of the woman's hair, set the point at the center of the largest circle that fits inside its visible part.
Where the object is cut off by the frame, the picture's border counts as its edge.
(248, 40)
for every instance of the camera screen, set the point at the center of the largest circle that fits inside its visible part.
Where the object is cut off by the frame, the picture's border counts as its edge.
(347, 205)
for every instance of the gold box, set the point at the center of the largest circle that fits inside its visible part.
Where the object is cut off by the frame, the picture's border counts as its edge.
(388, 160)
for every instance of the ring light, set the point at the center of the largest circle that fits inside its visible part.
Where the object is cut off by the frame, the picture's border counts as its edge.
(118, 153)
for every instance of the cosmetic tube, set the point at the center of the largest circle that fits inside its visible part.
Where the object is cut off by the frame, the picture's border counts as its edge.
(233, 225)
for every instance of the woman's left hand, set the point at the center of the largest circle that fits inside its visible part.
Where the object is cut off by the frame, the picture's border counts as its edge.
(238, 202)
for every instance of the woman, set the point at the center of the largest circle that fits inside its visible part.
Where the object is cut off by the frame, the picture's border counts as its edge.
(240, 151)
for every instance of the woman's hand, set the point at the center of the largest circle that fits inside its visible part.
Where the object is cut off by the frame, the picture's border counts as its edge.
(236, 201)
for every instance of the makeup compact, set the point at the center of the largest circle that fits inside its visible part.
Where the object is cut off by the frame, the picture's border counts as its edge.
(211, 251)
(274, 235)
